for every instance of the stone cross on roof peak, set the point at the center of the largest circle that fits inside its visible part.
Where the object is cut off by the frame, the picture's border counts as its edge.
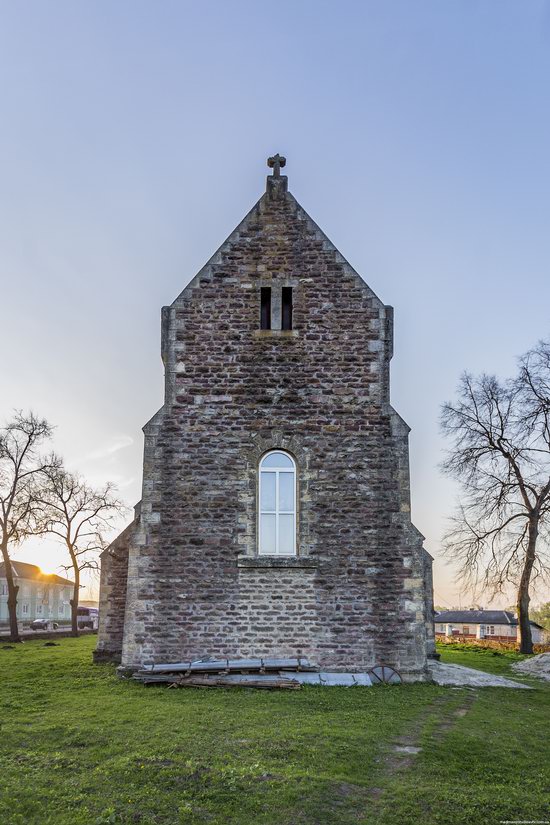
(276, 163)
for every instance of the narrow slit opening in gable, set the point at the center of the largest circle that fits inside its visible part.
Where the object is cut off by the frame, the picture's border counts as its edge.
(265, 307)
(286, 307)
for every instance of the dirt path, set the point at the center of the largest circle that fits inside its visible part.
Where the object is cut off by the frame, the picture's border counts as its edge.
(401, 753)
(357, 803)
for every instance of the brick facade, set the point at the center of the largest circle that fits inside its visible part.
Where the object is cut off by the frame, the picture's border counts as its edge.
(358, 593)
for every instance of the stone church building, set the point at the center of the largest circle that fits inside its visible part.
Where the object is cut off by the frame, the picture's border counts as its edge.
(275, 517)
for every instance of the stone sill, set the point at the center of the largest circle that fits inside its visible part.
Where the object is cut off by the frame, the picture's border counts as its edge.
(284, 562)
(276, 333)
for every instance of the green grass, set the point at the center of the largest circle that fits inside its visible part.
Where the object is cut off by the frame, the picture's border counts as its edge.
(78, 746)
(483, 658)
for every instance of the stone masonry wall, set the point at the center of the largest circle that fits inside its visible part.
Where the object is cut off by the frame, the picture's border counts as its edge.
(429, 609)
(112, 597)
(354, 596)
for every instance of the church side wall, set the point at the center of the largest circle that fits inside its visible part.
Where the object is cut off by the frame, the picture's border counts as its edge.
(429, 606)
(112, 598)
(417, 594)
(141, 578)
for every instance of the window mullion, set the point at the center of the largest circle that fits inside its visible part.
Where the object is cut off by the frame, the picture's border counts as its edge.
(277, 512)
(294, 511)
(260, 525)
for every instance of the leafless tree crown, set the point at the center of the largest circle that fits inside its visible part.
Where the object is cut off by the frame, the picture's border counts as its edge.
(21, 469)
(78, 514)
(500, 435)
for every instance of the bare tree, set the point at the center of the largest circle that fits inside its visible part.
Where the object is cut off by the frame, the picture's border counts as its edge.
(501, 455)
(79, 516)
(21, 467)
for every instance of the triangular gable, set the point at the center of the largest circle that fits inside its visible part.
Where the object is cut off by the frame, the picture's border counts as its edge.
(206, 271)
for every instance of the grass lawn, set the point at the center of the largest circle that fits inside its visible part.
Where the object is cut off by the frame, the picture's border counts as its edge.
(78, 746)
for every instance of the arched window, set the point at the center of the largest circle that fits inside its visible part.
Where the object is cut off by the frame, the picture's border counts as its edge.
(277, 510)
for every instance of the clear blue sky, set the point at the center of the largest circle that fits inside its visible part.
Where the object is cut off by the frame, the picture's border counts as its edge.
(133, 139)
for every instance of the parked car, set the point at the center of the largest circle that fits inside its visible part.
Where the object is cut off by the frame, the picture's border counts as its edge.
(44, 624)
(87, 617)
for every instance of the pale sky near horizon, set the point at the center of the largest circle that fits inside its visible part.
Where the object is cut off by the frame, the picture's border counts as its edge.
(133, 140)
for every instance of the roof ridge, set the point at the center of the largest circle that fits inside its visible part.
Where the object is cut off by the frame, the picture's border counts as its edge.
(33, 572)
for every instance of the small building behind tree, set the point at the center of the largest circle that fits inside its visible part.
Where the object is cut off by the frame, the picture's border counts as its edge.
(41, 595)
(493, 625)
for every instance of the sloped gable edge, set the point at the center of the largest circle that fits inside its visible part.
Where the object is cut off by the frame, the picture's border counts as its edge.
(329, 246)
(206, 271)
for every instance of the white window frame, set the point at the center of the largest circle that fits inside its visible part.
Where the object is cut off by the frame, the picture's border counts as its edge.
(277, 512)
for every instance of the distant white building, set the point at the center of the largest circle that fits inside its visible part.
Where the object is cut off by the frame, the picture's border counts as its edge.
(495, 625)
(41, 595)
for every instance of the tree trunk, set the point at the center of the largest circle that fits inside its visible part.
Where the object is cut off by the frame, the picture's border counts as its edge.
(12, 610)
(13, 590)
(74, 602)
(524, 626)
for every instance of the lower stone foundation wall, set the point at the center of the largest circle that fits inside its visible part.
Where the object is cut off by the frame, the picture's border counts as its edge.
(264, 627)
(265, 608)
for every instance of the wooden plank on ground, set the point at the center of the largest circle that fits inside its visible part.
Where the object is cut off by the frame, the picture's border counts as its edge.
(230, 665)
